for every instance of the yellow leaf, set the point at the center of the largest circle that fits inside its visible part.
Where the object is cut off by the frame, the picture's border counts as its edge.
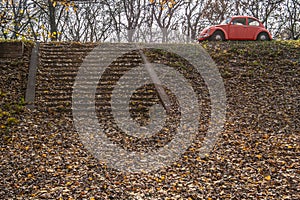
(44, 155)
(258, 156)
(54, 4)
(69, 183)
(192, 149)
(245, 148)
(26, 148)
(268, 177)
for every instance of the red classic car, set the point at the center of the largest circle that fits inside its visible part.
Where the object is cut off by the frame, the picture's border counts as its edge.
(236, 28)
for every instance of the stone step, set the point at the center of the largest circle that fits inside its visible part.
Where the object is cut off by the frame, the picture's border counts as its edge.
(90, 60)
(104, 93)
(105, 103)
(52, 47)
(75, 65)
(60, 60)
(101, 48)
(90, 77)
(99, 106)
(62, 75)
(75, 51)
(121, 66)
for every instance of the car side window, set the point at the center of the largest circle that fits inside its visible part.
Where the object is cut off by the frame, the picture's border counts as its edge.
(239, 21)
(253, 22)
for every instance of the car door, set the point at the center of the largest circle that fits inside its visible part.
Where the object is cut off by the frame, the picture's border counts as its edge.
(253, 27)
(238, 29)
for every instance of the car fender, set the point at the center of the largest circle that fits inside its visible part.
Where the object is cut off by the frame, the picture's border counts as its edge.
(219, 29)
(262, 31)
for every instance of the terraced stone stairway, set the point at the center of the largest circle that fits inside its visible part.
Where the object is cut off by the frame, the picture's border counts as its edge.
(59, 65)
(79, 79)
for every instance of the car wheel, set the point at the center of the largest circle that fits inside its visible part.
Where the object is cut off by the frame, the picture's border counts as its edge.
(217, 36)
(263, 37)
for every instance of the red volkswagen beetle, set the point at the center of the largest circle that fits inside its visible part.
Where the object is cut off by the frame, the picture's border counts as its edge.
(236, 28)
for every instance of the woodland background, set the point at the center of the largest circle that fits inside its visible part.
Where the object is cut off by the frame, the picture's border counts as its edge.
(138, 20)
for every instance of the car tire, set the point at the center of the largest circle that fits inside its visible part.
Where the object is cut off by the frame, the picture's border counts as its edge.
(217, 36)
(263, 37)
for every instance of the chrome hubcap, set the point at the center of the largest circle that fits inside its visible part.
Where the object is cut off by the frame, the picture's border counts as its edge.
(263, 37)
(218, 37)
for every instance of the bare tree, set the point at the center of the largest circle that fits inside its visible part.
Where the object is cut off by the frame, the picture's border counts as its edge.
(53, 10)
(194, 19)
(135, 14)
(293, 19)
(146, 30)
(15, 18)
(217, 10)
(5, 17)
(261, 9)
(115, 10)
(97, 23)
(166, 16)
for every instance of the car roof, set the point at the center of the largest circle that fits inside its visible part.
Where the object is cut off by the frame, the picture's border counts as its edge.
(238, 16)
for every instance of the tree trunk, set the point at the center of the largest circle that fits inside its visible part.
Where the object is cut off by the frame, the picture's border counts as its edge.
(52, 21)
